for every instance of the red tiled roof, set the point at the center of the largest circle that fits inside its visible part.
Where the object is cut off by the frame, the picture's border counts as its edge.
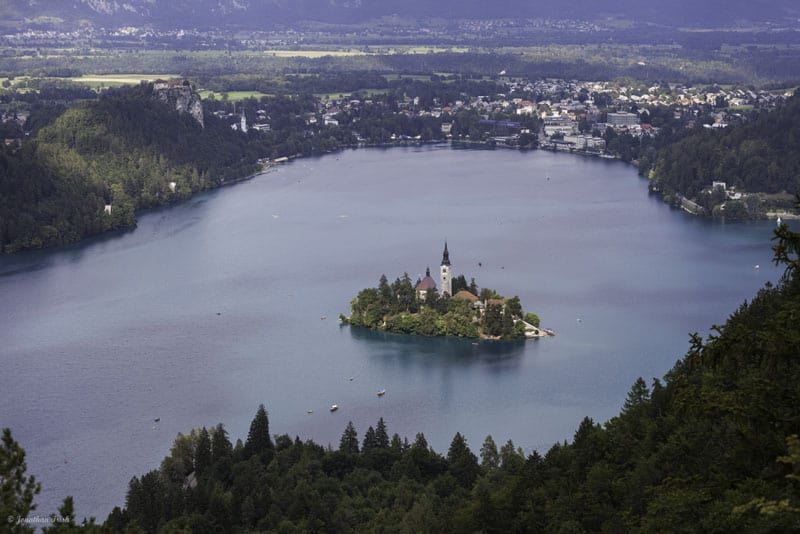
(465, 295)
(426, 284)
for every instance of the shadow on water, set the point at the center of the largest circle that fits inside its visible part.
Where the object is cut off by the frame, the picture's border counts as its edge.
(438, 351)
(28, 261)
(160, 222)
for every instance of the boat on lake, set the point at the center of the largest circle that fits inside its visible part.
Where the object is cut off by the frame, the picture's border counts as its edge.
(381, 393)
(334, 407)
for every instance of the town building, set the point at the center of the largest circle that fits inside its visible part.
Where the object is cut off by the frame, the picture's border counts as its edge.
(622, 119)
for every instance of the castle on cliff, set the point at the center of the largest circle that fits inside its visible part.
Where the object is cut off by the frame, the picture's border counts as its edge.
(182, 95)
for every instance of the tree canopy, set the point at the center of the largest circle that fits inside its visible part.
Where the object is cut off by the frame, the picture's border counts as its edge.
(396, 308)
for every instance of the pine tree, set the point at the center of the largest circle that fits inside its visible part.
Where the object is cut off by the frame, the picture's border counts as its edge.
(220, 444)
(145, 500)
(462, 464)
(349, 442)
(370, 440)
(381, 435)
(65, 520)
(202, 455)
(397, 444)
(16, 489)
(258, 439)
(387, 298)
(490, 459)
(512, 458)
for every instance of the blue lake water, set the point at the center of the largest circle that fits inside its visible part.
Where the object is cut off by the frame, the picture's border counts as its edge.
(214, 306)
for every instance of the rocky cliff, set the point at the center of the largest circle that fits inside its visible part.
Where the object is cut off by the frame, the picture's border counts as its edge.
(182, 95)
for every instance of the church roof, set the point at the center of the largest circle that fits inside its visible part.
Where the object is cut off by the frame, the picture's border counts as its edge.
(427, 283)
(445, 255)
(465, 295)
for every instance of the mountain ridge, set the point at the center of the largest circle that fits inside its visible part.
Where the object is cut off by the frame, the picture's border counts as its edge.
(254, 15)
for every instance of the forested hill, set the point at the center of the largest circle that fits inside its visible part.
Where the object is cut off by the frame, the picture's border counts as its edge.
(760, 155)
(713, 448)
(122, 150)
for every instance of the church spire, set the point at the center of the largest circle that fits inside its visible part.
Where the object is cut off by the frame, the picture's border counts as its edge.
(445, 255)
(445, 278)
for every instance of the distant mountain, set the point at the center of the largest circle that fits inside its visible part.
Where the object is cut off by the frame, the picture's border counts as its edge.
(265, 14)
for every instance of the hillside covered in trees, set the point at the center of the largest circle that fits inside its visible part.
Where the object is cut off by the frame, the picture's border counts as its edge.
(128, 150)
(123, 150)
(712, 448)
(758, 156)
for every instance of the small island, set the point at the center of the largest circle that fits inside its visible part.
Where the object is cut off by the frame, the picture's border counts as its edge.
(456, 309)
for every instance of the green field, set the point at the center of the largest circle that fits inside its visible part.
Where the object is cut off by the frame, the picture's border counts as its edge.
(313, 54)
(366, 51)
(117, 80)
(231, 96)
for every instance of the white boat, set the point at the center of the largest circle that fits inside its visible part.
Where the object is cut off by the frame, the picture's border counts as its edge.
(779, 221)
(381, 393)
(334, 407)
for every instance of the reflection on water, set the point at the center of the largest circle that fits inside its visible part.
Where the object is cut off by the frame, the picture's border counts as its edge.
(13, 268)
(439, 351)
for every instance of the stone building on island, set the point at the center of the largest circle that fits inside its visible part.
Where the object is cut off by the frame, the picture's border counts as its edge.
(425, 285)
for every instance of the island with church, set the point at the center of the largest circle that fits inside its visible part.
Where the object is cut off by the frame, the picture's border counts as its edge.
(455, 308)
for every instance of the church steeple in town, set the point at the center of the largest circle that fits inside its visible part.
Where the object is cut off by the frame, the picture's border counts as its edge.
(445, 255)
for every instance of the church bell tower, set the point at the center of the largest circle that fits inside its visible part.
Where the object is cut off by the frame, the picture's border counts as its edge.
(445, 274)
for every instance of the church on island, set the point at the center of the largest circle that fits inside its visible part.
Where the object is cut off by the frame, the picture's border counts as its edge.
(427, 284)
(423, 309)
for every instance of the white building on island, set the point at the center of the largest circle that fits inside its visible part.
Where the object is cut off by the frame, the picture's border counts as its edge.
(428, 284)
(445, 273)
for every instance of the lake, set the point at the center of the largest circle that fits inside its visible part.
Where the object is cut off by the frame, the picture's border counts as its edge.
(231, 299)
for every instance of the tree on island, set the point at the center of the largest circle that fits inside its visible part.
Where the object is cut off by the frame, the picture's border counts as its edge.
(460, 284)
(396, 308)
